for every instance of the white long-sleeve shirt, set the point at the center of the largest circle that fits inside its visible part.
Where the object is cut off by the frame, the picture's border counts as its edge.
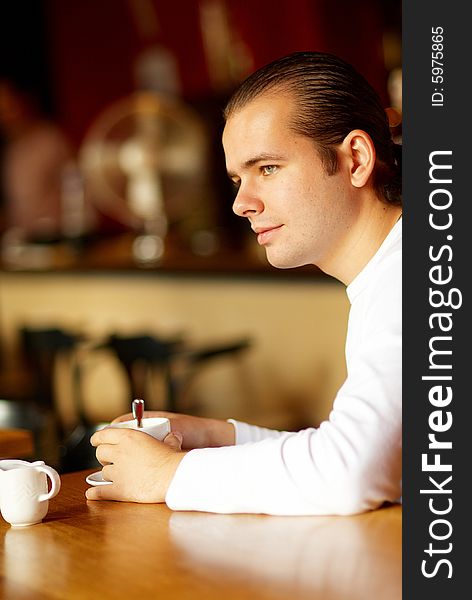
(350, 463)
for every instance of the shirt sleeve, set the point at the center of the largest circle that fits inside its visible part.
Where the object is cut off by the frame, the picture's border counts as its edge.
(349, 464)
(245, 433)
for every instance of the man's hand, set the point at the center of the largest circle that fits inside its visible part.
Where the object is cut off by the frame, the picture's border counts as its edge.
(140, 467)
(198, 432)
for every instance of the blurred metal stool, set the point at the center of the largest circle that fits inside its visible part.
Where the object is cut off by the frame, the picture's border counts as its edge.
(20, 415)
(42, 349)
(140, 353)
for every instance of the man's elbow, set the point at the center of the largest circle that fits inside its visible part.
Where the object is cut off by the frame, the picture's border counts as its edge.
(354, 504)
(357, 495)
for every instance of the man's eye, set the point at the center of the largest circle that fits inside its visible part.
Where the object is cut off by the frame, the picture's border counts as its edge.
(236, 185)
(268, 169)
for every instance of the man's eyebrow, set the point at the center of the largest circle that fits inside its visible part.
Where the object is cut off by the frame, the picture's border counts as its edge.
(250, 162)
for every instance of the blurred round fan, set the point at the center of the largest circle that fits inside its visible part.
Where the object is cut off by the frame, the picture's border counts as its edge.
(144, 161)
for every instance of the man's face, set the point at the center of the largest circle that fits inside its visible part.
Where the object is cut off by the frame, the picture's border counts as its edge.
(300, 214)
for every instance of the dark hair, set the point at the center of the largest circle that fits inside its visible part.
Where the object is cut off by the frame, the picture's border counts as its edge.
(332, 100)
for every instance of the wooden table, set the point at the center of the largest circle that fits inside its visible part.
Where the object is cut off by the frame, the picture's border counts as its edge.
(15, 443)
(91, 550)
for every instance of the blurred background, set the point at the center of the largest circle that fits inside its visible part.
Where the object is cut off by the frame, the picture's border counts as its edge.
(124, 272)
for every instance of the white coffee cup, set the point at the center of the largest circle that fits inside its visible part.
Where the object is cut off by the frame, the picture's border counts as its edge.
(157, 427)
(24, 496)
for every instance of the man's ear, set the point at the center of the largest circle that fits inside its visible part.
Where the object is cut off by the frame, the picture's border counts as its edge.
(359, 150)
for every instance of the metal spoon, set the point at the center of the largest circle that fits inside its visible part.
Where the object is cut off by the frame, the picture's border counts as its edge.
(138, 411)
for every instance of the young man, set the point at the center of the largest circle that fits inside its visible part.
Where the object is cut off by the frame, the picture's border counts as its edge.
(308, 147)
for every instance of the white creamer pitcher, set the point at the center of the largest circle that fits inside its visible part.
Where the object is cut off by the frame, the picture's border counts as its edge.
(24, 495)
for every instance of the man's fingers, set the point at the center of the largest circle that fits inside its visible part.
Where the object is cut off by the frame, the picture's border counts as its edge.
(107, 472)
(109, 435)
(174, 440)
(126, 417)
(106, 453)
(93, 493)
(102, 492)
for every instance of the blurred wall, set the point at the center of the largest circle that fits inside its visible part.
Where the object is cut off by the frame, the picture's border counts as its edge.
(82, 55)
(94, 47)
(287, 378)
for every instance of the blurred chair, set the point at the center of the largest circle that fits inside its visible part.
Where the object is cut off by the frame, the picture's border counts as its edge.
(43, 349)
(178, 363)
(40, 348)
(58, 417)
(18, 416)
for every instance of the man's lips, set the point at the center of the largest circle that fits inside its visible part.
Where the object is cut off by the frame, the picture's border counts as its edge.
(265, 234)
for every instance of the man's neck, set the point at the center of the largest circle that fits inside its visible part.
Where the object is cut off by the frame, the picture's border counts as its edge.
(365, 238)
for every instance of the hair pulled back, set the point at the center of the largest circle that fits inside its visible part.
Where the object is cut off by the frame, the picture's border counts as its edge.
(332, 99)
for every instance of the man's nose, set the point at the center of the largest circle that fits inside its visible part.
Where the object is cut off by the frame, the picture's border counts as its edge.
(247, 204)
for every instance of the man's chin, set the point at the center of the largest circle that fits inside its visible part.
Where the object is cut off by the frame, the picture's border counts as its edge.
(284, 262)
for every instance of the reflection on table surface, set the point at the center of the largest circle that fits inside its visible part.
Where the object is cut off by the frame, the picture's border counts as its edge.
(124, 550)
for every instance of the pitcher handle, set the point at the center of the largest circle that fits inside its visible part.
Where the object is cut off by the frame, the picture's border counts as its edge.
(55, 482)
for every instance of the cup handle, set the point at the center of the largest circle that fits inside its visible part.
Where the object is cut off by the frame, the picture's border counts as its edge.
(55, 482)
